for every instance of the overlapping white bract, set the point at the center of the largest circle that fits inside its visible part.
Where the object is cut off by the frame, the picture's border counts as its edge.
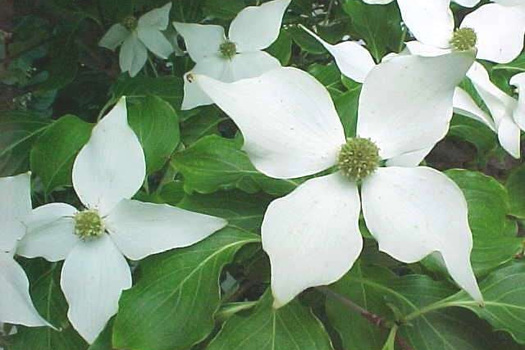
(507, 115)
(107, 172)
(312, 235)
(500, 26)
(254, 29)
(16, 306)
(136, 43)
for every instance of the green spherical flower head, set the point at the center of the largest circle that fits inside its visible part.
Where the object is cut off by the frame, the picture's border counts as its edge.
(130, 23)
(88, 224)
(228, 49)
(358, 158)
(464, 39)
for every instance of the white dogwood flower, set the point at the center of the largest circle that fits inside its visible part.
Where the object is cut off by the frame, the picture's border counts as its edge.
(139, 36)
(291, 129)
(507, 115)
(499, 27)
(237, 56)
(16, 306)
(94, 241)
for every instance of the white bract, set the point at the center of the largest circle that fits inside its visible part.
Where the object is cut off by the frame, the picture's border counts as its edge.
(16, 306)
(507, 115)
(291, 129)
(94, 242)
(499, 26)
(237, 56)
(139, 36)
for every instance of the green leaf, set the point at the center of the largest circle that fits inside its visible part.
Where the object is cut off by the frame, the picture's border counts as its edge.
(504, 295)
(516, 66)
(282, 48)
(168, 88)
(356, 332)
(305, 41)
(51, 304)
(329, 75)
(53, 154)
(223, 9)
(378, 25)
(157, 126)
(474, 132)
(417, 302)
(292, 327)
(516, 188)
(18, 131)
(488, 206)
(347, 105)
(239, 208)
(204, 123)
(171, 306)
(215, 163)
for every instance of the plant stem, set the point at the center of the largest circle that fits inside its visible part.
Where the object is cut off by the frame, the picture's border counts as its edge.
(153, 68)
(369, 316)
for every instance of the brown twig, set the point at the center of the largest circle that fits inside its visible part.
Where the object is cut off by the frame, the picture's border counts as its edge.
(369, 316)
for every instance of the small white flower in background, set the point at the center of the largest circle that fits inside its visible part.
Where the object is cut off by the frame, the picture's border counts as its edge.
(94, 241)
(139, 36)
(16, 306)
(500, 27)
(507, 115)
(291, 129)
(237, 56)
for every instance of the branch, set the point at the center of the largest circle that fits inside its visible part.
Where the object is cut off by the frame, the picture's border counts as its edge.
(369, 316)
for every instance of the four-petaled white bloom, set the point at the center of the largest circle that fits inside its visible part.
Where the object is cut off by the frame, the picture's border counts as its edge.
(507, 115)
(94, 242)
(237, 56)
(291, 129)
(499, 26)
(139, 36)
(16, 306)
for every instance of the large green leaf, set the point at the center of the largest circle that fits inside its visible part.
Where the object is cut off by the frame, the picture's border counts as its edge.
(347, 105)
(378, 25)
(305, 41)
(168, 88)
(419, 306)
(282, 48)
(54, 152)
(292, 327)
(516, 188)
(474, 132)
(50, 302)
(214, 163)
(239, 208)
(206, 122)
(157, 126)
(504, 295)
(172, 305)
(356, 332)
(494, 243)
(516, 66)
(223, 9)
(18, 131)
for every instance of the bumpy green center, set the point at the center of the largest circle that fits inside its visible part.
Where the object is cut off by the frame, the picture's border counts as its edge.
(228, 49)
(130, 23)
(88, 224)
(464, 39)
(358, 158)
